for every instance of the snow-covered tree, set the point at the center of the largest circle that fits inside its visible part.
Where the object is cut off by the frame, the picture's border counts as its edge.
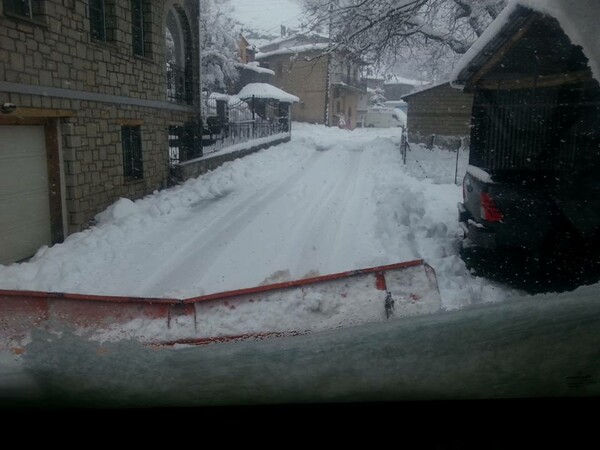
(219, 45)
(433, 31)
(377, 97)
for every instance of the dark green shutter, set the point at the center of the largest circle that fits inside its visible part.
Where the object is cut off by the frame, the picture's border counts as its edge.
(20, 7)
(137, 23)
(133, 166)
(137, 157)
(98, 20)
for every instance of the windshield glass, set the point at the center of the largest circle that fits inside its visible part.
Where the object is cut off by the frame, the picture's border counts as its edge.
(270, 178)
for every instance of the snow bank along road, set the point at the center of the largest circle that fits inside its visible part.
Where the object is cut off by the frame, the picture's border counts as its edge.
(330, 200)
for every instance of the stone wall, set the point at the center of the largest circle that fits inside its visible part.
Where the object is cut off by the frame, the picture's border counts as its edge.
(194, 168)
(51, 62)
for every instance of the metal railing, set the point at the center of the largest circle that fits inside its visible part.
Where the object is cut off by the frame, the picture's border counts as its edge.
(241, 122)
(176, 89)
(339, 78)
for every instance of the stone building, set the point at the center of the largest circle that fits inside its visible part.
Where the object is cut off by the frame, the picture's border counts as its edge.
(301, 64)
(88, 93)
(439, 115)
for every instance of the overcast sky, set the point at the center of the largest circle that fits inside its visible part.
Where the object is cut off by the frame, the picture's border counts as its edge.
(267, 15)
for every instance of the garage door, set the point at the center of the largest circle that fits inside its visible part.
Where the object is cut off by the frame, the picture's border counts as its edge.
(24, 201)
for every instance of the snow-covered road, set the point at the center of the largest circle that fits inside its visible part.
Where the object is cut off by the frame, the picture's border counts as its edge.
(330, 200)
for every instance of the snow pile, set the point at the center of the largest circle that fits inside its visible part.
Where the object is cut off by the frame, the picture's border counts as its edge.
(265, 90)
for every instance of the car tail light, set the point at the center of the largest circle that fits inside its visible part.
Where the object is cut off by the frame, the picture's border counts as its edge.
(489, 210)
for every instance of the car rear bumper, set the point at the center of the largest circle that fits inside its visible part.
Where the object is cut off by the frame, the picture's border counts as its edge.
(477, 234)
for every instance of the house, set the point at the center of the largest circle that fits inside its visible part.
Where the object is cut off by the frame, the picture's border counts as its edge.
(89, 93)
(302, 64)
(535, 96)
(439, 115)
(249, 70)
(396, 86)
(246, 50)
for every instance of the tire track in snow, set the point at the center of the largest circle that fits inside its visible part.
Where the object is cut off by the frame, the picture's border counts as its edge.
(206, 242)
(317, 221)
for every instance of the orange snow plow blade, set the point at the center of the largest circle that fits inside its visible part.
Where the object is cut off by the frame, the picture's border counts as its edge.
(283, 309)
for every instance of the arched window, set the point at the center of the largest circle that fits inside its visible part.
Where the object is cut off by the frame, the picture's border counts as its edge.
(176, 52)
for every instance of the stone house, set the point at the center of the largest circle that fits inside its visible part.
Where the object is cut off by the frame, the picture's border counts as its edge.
(89, 91)
(439, 115)
(301, 65)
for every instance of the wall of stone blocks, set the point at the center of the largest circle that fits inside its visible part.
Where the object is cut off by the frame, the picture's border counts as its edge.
(55, 50)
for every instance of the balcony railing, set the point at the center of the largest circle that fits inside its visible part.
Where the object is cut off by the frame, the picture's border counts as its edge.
(343, 78)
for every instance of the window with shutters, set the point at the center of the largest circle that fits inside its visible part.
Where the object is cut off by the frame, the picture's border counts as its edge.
(139, 27)
(102, 20)
(23, 8)
(98, 20)
(131, 138)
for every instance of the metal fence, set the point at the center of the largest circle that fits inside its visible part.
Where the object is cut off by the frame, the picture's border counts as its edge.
(237, 121)
(226, 123)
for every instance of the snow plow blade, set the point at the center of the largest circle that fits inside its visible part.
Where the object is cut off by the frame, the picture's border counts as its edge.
(284, 309)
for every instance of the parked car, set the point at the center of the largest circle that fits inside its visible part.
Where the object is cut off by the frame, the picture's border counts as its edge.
(384, 118)
(532, 182)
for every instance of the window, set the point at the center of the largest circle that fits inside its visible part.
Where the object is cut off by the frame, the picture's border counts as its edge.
(175, 144)
(131, 138)
(25, 8)
(98, 19)
(137, 27)
(178, 68)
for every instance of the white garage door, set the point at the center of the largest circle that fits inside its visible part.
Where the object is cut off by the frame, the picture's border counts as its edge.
(24, 203)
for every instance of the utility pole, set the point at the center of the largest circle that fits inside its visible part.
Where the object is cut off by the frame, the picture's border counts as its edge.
(200, 125)
(328, 78)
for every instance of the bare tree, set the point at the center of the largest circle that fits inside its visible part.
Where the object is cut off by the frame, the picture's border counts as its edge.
(382, 30)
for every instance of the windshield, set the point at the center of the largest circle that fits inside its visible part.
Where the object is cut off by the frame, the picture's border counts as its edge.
(227, 185)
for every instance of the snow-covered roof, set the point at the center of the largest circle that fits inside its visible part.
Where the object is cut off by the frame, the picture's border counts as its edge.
(265, 90)
(294, 50)
(425, 88)
(219, 96)
(256, 43)
(291, 37)
(577, 18)
(401, 80)
(256, 68)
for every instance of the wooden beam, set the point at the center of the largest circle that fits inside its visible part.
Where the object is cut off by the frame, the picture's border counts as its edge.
(504, 49)
(130, 122)
(543, 81)
(27, 113)
(11, 119)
